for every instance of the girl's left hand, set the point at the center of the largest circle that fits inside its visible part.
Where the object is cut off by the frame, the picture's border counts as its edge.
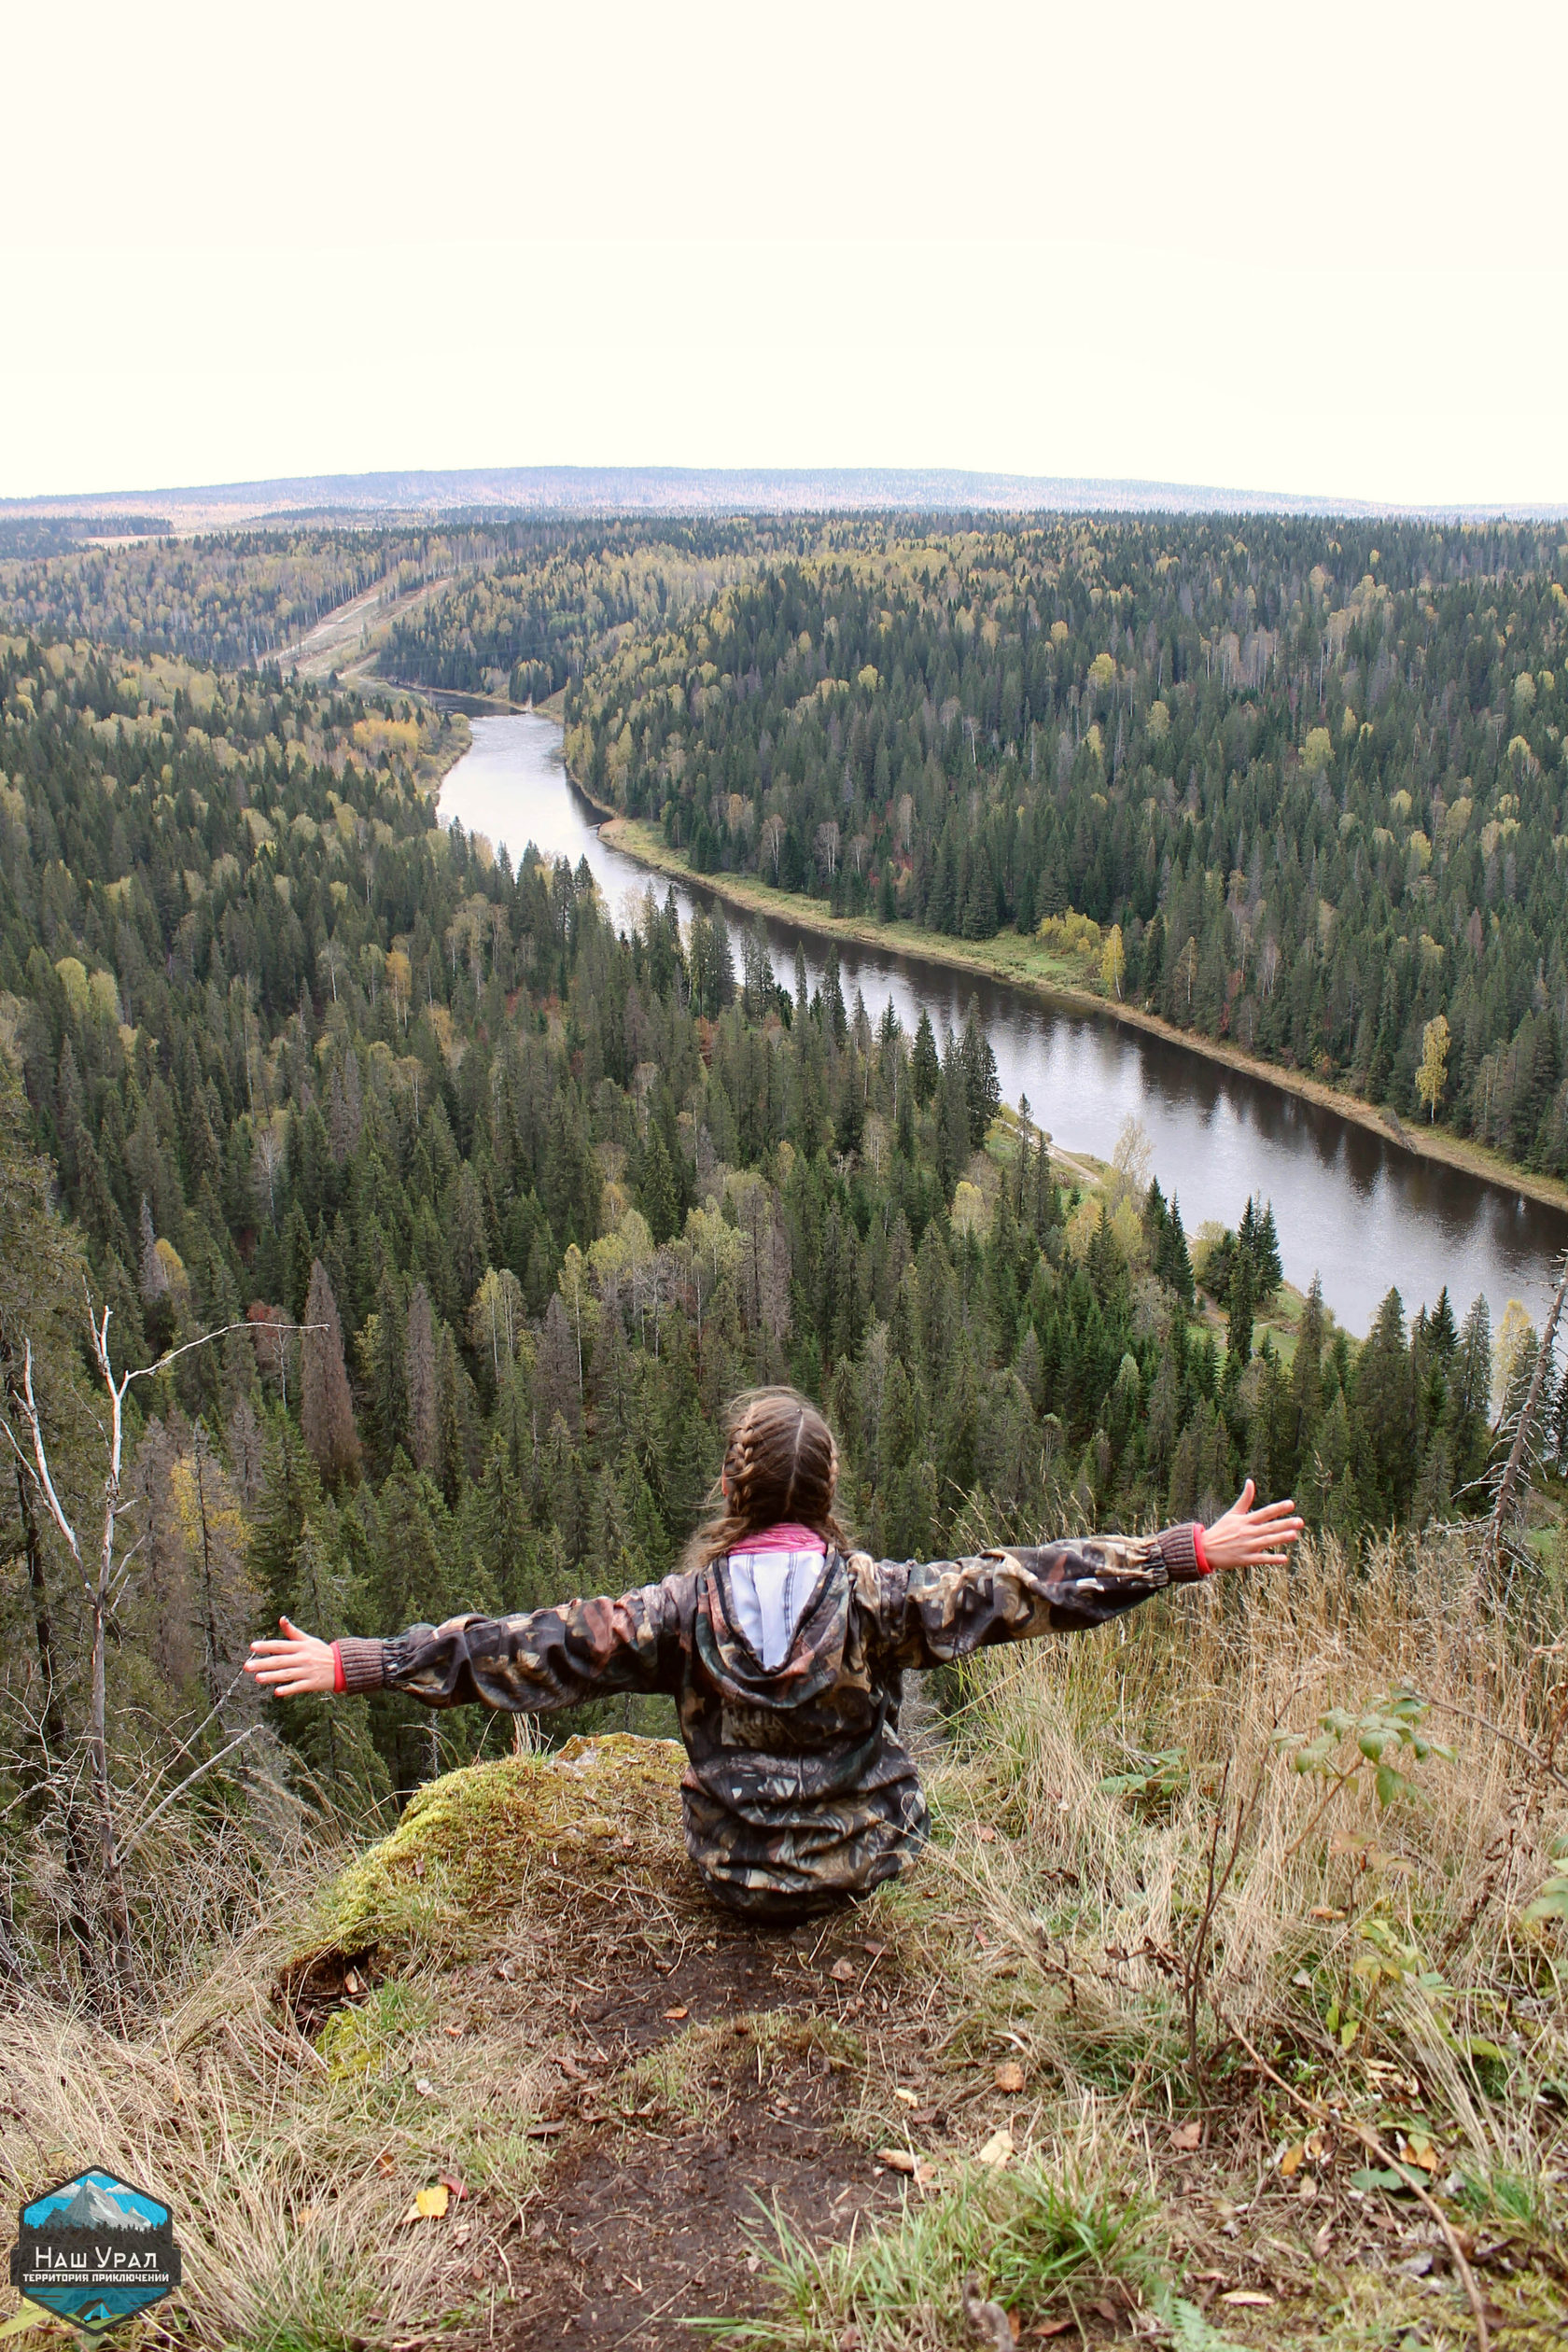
(1245, 1538)
(294, 1667)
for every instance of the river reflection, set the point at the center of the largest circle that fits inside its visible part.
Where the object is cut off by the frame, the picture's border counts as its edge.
(1350, 1206)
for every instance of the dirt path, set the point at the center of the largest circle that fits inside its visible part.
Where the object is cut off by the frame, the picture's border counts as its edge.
(711, 2096)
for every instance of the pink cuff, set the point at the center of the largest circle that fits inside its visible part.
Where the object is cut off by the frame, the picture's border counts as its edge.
(338, 1682)
(1205, 1565)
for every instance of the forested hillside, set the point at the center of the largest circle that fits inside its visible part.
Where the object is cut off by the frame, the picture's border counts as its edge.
(1301, 787)
(566, 597)
(235, 601)
(549, 1195)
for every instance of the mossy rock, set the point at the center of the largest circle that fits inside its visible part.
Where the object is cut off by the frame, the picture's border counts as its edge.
(478, 1845)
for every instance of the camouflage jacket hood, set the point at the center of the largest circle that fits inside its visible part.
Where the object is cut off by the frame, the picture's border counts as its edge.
(798, 1790)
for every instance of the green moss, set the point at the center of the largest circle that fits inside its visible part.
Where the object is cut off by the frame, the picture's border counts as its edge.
(357, 2038)
(472, 1846)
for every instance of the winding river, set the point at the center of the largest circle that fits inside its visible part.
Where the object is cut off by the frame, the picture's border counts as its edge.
(1351, 1205)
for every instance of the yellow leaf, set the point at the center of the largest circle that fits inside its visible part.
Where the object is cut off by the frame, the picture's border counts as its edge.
(899, 2160)
(429, 2204)
(998, 2148)
(1010, 2076)
(1290, 2163)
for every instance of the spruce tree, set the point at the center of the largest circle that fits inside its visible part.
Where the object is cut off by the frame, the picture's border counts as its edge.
(924, 1067)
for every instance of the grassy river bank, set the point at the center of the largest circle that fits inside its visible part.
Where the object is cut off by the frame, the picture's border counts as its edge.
(1028, 964)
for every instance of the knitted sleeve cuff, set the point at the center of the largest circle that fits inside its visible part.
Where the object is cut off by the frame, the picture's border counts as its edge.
(1181, 1550)
(360, 1664)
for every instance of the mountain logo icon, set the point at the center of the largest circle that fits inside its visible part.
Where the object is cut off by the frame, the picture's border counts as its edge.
(94, 2249)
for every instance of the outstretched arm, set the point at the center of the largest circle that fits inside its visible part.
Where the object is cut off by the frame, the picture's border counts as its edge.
(549, 1658)
(936, 1610)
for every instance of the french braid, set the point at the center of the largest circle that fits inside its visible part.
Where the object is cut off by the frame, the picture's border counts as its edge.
(781, 1462)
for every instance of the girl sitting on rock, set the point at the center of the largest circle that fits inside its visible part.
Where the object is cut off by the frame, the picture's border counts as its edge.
(785, 1651)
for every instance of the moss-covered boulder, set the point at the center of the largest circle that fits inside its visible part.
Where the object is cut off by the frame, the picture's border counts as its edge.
(593, 1819)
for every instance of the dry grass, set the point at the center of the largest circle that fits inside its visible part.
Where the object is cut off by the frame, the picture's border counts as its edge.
(292, 2169)
(1378, 1955)
(1228, 1697)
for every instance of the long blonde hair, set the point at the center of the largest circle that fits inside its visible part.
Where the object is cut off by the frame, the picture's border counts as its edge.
(781, 1462)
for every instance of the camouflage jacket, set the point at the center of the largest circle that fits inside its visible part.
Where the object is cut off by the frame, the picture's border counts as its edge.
(798, 1791)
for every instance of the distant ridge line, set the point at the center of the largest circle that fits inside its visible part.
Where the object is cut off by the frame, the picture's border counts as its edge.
(607, 490)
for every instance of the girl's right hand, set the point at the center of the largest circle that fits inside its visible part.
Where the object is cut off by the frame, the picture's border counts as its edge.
(294, 1667)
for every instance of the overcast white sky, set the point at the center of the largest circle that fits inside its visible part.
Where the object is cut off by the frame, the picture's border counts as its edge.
(1302, 249)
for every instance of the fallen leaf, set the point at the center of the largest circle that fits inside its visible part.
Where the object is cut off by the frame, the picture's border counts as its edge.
(452, 2181)
(425, 2087)
(987, 1837)
(674, 2016)
(453, 2033)
(1107, 2310)
(874, 1951)
(980, 1939)
(384, 2165)
(843, 1972)
(462, 2234)
(899, 2160)
(1321, 2239)
(352, 1982)
(1247, 2297)
(1010, 2076)
(998, 2148)
(1417, 2150)
(1052, 2327)
(1186, 2136)
(571, 2068)
(908, 2097)
(1324, 1911)
(506, 1971)
(429, 2204)
(1290, 2163)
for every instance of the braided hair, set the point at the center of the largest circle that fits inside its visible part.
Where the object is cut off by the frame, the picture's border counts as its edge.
(781, 1462)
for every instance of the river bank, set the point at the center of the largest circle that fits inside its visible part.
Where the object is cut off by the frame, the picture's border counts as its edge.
(1025, 964)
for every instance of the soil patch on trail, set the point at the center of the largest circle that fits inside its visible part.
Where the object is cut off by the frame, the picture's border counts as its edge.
(720, 2086)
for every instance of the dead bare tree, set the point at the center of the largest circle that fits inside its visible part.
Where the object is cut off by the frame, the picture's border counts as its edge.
(102, 1585)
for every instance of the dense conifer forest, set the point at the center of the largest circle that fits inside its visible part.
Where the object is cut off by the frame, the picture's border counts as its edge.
(1297, 786)
(235, 600)
(547, 1195)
